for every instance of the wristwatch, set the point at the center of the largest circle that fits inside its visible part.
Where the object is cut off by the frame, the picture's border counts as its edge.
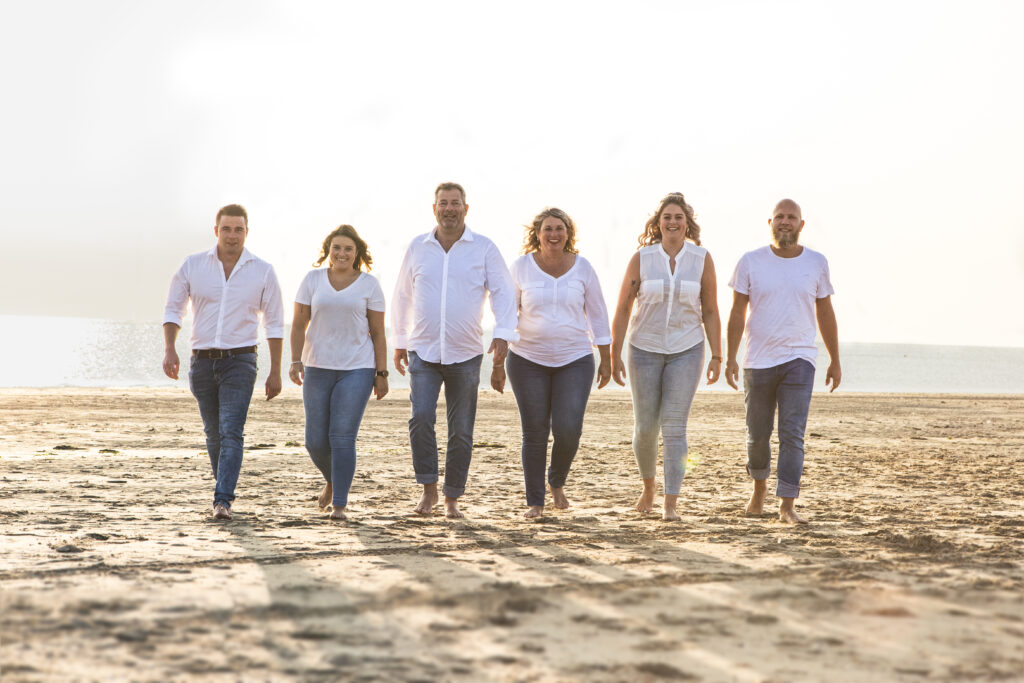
(382, 373)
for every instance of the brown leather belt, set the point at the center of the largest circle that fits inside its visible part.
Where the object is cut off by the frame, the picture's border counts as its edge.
(223, 353)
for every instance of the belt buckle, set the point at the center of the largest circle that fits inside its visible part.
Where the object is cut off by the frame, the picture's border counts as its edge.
(217, 354)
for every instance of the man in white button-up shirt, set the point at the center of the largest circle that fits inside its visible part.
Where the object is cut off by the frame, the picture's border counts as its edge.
(436, 317)
(229, 289)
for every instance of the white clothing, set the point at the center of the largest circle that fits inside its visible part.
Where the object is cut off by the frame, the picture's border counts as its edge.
(783, 318)
(560, 319)
(338, 336)
(668, 315)
(439, 298)
(226, 311)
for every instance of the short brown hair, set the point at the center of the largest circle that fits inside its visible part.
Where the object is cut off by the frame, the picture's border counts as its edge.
(652, 231)
(363, 257)
(531, 241)
(232, 210)
(450, 186)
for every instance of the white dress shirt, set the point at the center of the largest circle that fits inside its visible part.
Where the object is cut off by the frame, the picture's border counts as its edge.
(439, 298)
(560, 318)
(226, 311)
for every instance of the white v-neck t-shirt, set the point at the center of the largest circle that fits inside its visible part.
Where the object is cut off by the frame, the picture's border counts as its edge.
(560, 319)
(338, 336)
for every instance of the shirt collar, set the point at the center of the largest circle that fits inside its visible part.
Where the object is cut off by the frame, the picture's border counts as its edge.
(467, 235)
(246, 255)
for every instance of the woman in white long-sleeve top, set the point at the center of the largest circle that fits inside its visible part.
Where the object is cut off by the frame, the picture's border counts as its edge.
(673, 280)
(562, 316)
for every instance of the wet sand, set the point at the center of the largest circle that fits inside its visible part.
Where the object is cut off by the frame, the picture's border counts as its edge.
(912, 568)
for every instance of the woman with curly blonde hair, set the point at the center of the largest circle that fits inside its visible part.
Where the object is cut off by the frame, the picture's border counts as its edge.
(672, 280)
(562, 316)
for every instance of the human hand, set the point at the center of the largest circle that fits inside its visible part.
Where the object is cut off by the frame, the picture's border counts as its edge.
(498, 378)
(732, 373)
(833, 374)
(296, 372)
(380, 387)
(171, 363)
(273, 385)
(714, 370)
(604, 373)
(619, 371)
(401, 356)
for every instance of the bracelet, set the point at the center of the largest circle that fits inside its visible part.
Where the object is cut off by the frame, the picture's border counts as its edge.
(296, 362)
(718, 358)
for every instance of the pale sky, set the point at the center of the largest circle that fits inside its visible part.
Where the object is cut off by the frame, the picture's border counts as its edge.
(896, 125)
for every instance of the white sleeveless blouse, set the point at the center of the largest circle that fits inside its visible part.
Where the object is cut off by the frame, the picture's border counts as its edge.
(667, 317)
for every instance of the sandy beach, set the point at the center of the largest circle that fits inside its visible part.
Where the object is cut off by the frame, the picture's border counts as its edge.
(912, 568)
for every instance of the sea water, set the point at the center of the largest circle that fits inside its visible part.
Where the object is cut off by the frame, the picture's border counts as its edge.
(40, 351)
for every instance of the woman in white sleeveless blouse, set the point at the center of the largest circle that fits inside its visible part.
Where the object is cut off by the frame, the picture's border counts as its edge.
(672, 279)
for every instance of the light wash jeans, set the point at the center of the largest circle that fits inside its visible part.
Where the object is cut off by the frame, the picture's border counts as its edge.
(663, 385)
(223, 389)
(551, 403)
(461, 384)
(335, 401)
(788, 386)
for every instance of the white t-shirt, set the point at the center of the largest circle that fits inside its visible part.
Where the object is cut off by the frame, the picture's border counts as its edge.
(783, 319)
(560, 319)
(338, 336)
(668, 316)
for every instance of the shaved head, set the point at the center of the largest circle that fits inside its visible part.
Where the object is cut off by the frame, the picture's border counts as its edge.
(789, 205)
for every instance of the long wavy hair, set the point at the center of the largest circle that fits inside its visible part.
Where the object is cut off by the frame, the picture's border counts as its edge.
(652, 230)
(531, 240)
(363, 257)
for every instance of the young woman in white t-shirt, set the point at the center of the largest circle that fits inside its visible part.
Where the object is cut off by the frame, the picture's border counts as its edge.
(672, 278)
(562, 316)
(338, 357)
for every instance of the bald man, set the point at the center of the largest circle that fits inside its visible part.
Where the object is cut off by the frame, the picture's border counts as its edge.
(787, 288)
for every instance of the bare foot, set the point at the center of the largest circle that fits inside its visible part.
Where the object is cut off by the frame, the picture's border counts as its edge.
(337, 514)
(755, 506)
(222, 512)
(561, 502)
(534, 511)
(428, 500)
(325, 496)
(669, 513)
(787, 513)
(646, 502)
(451, 508)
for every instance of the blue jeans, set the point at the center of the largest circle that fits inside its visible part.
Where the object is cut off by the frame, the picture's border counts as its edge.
(788, 386)
(461, 383)
(223, 389)
(663, 386)
(334, 402)
(551, 402)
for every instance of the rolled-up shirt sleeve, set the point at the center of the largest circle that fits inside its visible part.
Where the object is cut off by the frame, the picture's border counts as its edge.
(596, 310)
(272, 307)
(502, 294)
(177, 297)
(401, 302)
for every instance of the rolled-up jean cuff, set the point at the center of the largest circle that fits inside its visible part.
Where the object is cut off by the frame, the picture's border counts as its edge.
(784, 489)
(759, 475)
(426, 478)
(452, 492)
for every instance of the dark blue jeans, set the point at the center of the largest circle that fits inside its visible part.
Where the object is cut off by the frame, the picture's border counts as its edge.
(551, 402)
(461, 382)
(335, 401)
(787, 386)
(223, 389)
